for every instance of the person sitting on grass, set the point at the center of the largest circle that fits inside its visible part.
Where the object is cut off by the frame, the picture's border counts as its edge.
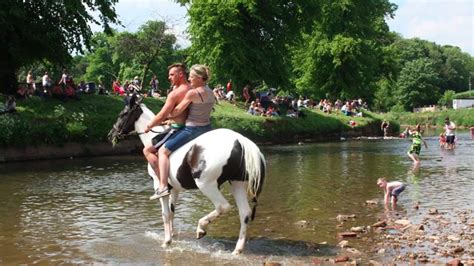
(10, 106)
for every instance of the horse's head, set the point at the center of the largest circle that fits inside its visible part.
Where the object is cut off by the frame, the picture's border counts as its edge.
(126, 120)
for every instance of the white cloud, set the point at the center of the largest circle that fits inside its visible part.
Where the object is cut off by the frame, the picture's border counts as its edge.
(443, 22)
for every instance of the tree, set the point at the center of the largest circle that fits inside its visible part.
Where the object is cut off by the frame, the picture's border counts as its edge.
(150, 44)
(247, 41)
(418, 84)
(342, 56)
(48, 29)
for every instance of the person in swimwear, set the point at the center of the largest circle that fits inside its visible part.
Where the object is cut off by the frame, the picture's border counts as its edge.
(415, 148)
(391, 191)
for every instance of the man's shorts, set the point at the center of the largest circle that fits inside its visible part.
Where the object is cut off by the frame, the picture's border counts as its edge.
(184, 136)
(450, 139)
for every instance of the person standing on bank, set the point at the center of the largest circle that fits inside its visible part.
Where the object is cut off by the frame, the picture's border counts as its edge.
(177, 77)
(199, 102)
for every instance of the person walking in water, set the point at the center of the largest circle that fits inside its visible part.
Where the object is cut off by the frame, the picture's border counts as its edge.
(450, 132)
(415, 148)
(391, 191)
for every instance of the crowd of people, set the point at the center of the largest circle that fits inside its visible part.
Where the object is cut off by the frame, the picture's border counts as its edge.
(64, 89)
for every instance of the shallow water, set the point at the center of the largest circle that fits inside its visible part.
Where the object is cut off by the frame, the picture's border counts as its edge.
(96, 210)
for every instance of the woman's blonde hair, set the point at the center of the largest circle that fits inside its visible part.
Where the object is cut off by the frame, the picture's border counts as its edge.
(201, 71)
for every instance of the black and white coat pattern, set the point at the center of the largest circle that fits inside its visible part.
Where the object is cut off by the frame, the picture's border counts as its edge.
(216, 157)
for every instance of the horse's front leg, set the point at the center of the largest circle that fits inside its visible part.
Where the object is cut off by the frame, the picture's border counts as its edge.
(222, 206)
(166, 214)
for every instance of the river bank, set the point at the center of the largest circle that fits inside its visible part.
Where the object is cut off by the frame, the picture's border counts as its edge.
(48, 129)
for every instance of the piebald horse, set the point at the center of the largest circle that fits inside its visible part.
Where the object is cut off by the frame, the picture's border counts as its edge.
(204, 163)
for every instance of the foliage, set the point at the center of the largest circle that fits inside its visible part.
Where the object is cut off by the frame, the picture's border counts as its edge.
(447, 98)
(341, 57)
(462, 117)
(464, 95)
(149, 45)
(247, 41)
(417, 84)
(36, 30)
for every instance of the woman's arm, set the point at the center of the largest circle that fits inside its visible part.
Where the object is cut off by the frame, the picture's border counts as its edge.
(183, 105)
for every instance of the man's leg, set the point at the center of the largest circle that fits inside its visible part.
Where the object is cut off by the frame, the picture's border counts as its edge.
(151, 156)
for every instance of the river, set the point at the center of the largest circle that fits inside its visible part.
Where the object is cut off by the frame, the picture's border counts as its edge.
(96, 210)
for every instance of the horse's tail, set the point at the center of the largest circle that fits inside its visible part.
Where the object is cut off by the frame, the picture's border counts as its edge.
(255, 168)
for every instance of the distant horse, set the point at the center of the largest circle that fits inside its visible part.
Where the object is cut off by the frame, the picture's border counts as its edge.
(205, 163)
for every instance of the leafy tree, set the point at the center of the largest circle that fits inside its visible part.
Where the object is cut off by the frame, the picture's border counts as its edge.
(47, 29)
(418, 84)
(447, 98)
(149, 45)
(455, 73)
(101, 66)
(342, 56)
(247, 41)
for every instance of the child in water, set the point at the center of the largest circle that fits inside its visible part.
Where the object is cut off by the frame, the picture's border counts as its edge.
(391, 191)
(415, 148)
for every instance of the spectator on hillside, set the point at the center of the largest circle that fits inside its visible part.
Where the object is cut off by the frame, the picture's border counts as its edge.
(117, 89)
(10, 106)
(229, 85)
(64, 79)
(230, 96)
(46, 82)
(246, 94)
(30, 81)
(153, 86)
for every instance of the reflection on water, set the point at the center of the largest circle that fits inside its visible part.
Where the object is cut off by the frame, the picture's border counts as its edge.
(97, 209)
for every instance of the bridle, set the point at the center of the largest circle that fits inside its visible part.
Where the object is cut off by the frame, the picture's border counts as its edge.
(121, 135)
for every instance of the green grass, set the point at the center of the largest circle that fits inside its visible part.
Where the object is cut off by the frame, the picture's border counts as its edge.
(464, 95)
(462, 117)
(54, 122)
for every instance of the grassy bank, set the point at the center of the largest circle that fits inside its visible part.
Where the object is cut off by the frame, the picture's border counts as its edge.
(462, 117)
(88, 120)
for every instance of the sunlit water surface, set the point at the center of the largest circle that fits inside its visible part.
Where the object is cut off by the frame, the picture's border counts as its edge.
(96, 210)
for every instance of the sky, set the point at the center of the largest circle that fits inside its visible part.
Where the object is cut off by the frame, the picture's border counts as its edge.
(445, 22)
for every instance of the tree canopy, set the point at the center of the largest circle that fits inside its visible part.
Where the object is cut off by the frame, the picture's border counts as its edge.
(48, 29)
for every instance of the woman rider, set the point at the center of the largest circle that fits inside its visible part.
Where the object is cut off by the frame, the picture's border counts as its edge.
(200, 100)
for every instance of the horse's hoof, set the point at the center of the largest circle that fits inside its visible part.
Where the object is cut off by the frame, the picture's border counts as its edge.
(201, 234)
(236, 252)
(166, 244)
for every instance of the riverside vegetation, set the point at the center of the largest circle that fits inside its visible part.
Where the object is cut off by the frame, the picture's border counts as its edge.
(53, 122)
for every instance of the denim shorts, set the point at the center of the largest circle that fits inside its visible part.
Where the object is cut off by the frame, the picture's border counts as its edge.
(184, 136)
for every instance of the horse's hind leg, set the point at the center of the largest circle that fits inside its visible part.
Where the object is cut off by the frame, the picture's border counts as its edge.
(240, 195)
(220, 203)
(173, 200)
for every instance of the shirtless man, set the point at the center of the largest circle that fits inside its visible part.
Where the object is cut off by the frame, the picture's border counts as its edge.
(177, 77)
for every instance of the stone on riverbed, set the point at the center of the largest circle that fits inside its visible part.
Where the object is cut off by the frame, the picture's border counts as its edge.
(402, 222)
